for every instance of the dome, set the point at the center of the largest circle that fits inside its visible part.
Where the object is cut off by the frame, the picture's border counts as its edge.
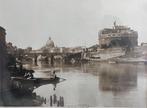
(50, 43)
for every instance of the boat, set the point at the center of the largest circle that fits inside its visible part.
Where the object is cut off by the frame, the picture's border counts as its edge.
(36, 81)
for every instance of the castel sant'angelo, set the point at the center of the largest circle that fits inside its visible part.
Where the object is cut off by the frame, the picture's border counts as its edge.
(118, 36)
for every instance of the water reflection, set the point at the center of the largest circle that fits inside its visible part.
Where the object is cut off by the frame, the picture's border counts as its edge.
(22, 94)
(27, 98)
(117, 77)
(21, 97)
(94, 84)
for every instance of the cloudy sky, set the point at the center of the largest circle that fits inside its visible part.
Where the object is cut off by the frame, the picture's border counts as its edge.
(68, 22)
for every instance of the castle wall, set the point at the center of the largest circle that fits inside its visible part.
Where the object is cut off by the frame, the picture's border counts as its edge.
(118, 38)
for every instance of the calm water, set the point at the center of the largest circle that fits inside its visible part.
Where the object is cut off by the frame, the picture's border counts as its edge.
(96, 84)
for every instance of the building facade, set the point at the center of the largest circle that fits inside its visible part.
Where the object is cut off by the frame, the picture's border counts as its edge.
(118, 36)
(4, 74)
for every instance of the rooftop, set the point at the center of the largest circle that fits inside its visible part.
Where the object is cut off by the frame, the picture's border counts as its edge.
(117, 29)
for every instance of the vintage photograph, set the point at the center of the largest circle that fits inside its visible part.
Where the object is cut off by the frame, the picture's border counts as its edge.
(73, 53)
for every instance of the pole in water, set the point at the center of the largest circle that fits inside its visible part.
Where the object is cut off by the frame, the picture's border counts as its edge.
(54, 98)
(51, 101)
(58, 103)
(45, 100)
(62, 101)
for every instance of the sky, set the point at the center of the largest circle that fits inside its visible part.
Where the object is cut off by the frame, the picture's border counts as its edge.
(68, 22)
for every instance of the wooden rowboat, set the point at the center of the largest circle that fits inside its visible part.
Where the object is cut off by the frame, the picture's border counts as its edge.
(37, 81)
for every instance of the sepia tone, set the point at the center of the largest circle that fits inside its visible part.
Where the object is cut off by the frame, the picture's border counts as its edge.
(108, 73)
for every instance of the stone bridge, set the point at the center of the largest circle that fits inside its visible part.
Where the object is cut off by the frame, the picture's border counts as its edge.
(45, 55)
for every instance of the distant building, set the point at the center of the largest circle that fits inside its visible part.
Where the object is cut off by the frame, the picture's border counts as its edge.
(28, 50)
(4, 74)
(50, 47)
(49, 44)
(144, 44)
(2, 39)
(118, 36)
(10, 48)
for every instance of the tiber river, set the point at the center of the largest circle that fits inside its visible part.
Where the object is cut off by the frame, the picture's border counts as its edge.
(96, 84)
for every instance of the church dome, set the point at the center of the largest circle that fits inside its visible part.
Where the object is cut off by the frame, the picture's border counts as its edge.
(50, 43)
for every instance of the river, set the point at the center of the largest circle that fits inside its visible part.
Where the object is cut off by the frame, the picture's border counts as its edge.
(95, 84)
